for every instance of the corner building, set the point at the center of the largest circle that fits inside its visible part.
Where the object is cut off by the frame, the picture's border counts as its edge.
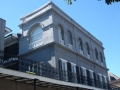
(49, 36)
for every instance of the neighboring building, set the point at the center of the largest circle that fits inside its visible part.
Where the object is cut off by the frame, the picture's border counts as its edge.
(114, 81)
(112, 77)
(61, 53)
(3, 31)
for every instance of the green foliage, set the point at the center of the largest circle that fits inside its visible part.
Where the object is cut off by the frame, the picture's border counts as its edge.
(108, 2)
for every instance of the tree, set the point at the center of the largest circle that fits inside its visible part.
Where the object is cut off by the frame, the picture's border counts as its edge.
(108, 2)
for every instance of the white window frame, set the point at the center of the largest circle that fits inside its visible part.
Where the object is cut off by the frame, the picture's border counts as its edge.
(73, 66)
(84, 70)
(38, 40)
(105, 79)
(65, 62)
(100, 76)
(91, 74)
(61, 41)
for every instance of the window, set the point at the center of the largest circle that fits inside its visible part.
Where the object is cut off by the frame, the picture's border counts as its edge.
(36, 34)
(96, 55)
(84, 76)
(73, 70)
(88, 50)
(61, 35)
(81, 46)
(105, 80)
(64, 69)
(84, 71)
(91, 74)
(70, 40)
(101, 58)
(100, 80)
(100, 77)
(35, 37)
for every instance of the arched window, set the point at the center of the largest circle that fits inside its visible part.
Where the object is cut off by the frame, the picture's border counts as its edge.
(88, 49)
(70, 38)
(36, 34)
(101, 58)
(96, 54)
(61, 35)
(80, 44)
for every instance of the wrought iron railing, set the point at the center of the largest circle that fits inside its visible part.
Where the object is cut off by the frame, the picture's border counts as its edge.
(38, 68)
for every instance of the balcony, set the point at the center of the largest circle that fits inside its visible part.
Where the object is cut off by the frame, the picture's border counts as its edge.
(61, 41)
(81, 52)
(40, 69)
(88, 56)
(35, 44)
(71, 46)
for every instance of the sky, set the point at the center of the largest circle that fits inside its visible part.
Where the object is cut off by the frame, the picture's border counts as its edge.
(100, 19)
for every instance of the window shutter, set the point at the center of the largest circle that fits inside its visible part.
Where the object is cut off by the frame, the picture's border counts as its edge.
(81, 70)
(88, 76)
(98, 80)
(78, 75)
(95, 78)
(60, 64)
(69, 72)
(103, 81)
(60, 69)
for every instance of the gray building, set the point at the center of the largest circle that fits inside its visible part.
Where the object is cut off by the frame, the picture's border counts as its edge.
(3, 31)
(54, 46)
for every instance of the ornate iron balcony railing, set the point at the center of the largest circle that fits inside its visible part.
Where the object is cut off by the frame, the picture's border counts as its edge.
(38, 68)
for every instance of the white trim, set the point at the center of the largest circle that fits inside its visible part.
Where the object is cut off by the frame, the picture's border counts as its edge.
(73, 63)
(91, 70)
(104, 76)
(83, 67)
(99, 74)
(63, 60)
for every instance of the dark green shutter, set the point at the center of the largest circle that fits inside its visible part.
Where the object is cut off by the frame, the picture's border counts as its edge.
(69, 72)
(78, 75)
(60, 69)
(95, 79)
(88, 76)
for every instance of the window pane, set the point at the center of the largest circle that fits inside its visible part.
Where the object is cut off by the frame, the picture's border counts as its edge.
(36, 34)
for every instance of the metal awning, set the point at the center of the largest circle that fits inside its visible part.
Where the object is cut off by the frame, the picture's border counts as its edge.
(10, 39)
(7, 30)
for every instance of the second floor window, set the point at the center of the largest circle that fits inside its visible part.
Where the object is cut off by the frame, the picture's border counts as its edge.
(101, 58)
(96, 54)
(81, 46)
(36, 34)
(88, 49)
(61, 35)
(70, 40)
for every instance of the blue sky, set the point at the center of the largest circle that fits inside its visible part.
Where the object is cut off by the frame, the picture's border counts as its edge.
(100, 19)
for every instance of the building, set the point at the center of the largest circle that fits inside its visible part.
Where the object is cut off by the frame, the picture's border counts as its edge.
(55, 53)
(114, 81)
